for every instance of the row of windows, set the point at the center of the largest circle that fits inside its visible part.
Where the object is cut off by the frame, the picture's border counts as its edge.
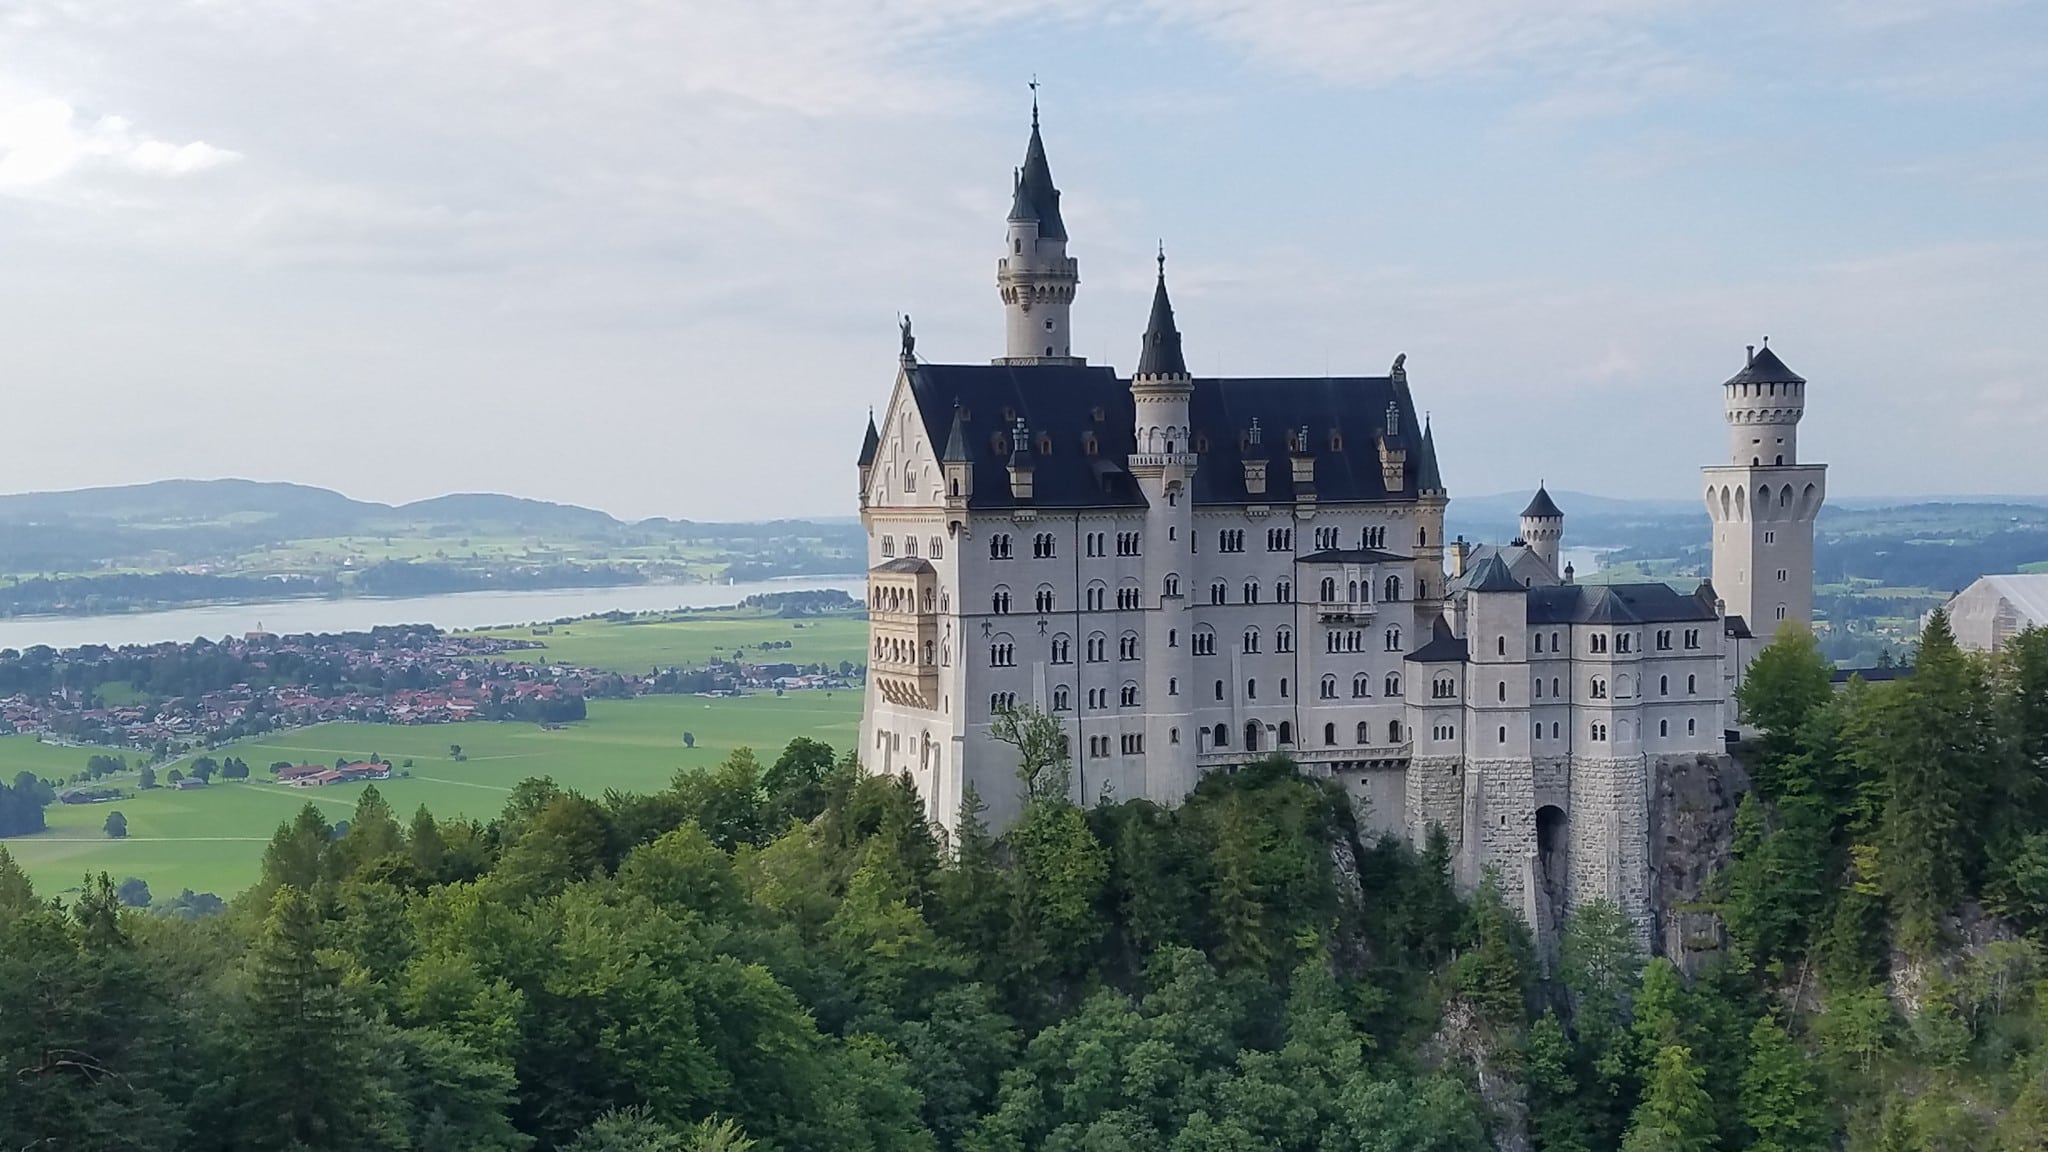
(1283, 592)
(1128, 744)
(1098, 698)
(1339, 640)
(1597, 730)
(895, 651)
(1361, 686)
(897, 600)
(1044, 544)
(936, 549)
(1625, 641)
(1357, 592)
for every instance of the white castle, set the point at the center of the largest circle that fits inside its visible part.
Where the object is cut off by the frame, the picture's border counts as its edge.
(1190, 572)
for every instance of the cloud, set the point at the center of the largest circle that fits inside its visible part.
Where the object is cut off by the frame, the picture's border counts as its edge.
(44, 140)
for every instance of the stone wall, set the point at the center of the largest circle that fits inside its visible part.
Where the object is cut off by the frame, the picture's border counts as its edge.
(1505, 836)
(1379, 801)
(1608, 850)
(1553, 781)
(1434, 793)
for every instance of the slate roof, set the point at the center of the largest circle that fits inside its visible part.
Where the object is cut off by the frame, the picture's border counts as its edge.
(1036, 198)
(1352, 556)
(956, 439)
(1766, 368)
(1654, 603)
(1061, 402)
(1442, 648)
(1161, 354)
(1493, 576)
(1428, 477)
(916, 565)
(1542, 507)
(871, 443)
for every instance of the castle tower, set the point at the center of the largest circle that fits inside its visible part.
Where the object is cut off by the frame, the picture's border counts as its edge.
(1543, 527)
(1036, 276)
(1763, 501)
(1164, 466)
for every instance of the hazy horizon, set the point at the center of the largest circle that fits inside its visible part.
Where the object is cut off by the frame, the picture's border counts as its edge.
(650, 258)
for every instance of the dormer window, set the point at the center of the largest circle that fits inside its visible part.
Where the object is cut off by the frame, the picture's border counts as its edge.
(1336, 440)
(1000, 443)
(1088, 445)
(1096, 414)
(1044, 444)
(1201, 442)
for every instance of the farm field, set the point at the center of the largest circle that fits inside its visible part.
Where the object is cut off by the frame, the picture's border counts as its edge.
(653, 641)
(211, 840)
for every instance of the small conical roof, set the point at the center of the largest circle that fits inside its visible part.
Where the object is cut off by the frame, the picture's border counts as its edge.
(1542, 507)
(1493, 576)
(1036, 198)
(1161, 355)
(871, 443)
(956, 441)
(1428, 478)
(1765, 368)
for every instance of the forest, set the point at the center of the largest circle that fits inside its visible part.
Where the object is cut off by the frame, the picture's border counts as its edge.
(787, 956)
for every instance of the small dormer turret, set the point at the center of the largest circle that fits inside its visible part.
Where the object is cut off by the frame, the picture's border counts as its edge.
(1303, 457)
(956, 464)
(1020, 465)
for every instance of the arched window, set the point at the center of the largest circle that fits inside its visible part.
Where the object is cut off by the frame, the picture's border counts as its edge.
(1172, 585)
(1286, 732)
(1394, 639)
(1221, 736)
(1422, 537)
(1329, 735)
(1283, 639)
(1393, 685)
(1692, 685)
(1500, 645)
(1663, 685)
(1361, 686)
(1061, 701)
(1352, 590)
(937, 550)
(1364, 732)
(999, 601)
(1503, 695)
(1329, 589)
(1394, 731)
(1251, 735)
(1502, 738)
(1128, 697)
(1062, 649)
(1329, 689)
(889, 546)
(1393, 589)
(1663, 727)
(1251, 591)
(1251, 689)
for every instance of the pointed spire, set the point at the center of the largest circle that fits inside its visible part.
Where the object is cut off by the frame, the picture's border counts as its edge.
(1020, 445)
(1036, 198)
(1161, 355)
(956, 441)
(871, 443)
(1428, 477)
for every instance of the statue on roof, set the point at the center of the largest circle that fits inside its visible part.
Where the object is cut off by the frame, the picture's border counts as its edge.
(1400, 369)
(909, 341)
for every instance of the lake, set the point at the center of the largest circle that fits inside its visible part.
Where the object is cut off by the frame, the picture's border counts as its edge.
(358, 614)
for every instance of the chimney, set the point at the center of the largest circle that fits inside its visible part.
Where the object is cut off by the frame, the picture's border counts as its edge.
(1568, 572)
(1459, 551)
(1752, 354)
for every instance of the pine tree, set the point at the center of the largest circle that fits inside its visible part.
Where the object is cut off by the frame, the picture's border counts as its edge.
(1781, 1103)
(1676, 1115)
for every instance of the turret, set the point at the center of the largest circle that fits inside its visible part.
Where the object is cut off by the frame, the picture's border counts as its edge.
(1020, 467)
(1036, 277)
(1161, 386)
(869, 446)
(1543, 527)
(1763, 404)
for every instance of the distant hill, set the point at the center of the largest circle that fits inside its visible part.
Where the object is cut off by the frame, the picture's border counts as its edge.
(186, 501)
(476, 510)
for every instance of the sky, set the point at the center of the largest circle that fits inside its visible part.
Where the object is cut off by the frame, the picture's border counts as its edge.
(648, 257)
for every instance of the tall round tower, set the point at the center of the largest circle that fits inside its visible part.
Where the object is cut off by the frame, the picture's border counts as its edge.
(1543, 527)
(1036, 277)
(1763, 502)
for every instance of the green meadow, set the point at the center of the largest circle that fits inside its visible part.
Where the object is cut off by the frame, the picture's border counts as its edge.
(682, 639)
(211, 839)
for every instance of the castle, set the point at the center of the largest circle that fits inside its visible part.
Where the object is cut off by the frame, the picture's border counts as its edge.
(1187, 573)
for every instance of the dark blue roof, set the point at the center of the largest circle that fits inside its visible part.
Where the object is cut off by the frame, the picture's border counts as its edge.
(871, 443)
(1036, 198)
(1541, 506)
(1068, 405)
(1443, 646)
(1353, 556)
(1765, 368)
(1616, 604)
(1161, 354)
(1492, 575)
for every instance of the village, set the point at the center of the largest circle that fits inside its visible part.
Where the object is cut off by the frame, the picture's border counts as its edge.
(170, 699)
